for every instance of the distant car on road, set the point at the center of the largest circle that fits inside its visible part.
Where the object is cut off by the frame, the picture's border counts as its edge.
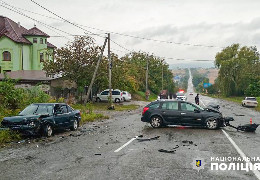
(181, 96)
(126, 96)
(250, 102)
(44, 118)
(117, 96)
(191, 93)
(160, 113)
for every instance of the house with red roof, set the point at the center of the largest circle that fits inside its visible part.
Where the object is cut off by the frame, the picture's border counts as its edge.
(22, 49)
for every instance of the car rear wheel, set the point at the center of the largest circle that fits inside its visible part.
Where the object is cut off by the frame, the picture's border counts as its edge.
(117, 100)
(124, 98)
(75, 125)
(47, 130)
(156, 122)
(212, 123)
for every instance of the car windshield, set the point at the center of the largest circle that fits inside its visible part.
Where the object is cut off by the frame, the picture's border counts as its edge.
(251, 99)
(37, 109)
(180, 94)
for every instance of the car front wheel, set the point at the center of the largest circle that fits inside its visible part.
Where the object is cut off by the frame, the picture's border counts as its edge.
(212, 123)
(117, 100)
(75, 125)
(156, 122)
(98, 100)
(47, 130)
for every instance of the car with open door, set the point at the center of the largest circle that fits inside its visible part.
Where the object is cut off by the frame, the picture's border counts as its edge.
(162, 113)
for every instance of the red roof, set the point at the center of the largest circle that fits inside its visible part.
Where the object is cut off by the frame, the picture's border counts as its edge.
(12, 30)
(35, 32)
(50, 45)
(16, 32)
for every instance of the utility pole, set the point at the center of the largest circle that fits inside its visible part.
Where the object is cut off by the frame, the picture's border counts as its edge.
(109, 72)
(95, 72)
(162, 75)
(146, 80)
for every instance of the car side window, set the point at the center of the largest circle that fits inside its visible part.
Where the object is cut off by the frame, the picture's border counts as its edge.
(64, 109)
(104, 93)
(115, 93)
(69, 109)
(187, 107)
(154, 106)
(170, 105)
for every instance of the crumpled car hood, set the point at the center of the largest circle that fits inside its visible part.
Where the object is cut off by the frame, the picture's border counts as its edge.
(21, 118)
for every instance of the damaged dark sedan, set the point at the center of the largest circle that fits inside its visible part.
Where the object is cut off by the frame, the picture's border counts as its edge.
(43, 119)
(161, 113)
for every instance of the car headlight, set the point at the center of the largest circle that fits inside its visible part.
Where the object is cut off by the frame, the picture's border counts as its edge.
(32, 124)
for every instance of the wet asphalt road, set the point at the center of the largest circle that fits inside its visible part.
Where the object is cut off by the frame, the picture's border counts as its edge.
(90, 152)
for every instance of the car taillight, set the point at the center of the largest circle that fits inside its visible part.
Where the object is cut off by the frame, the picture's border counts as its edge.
(145, 109)
(121, 94)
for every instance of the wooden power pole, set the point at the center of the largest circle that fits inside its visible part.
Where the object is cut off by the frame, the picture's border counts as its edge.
(162, 75)
(95, 72)
(109, 73)
(146, 80)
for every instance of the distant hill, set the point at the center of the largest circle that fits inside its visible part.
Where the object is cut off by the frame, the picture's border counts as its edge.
(197, 64)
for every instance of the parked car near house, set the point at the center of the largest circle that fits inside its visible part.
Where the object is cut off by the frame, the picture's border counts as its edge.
(117, 96)
(250, 102)
(126, 96)
(44, 119)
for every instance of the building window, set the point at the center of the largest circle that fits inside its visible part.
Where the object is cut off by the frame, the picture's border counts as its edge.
(45, 41)
(41, 41)
(6, 56)
(34, 40)
(41, 57)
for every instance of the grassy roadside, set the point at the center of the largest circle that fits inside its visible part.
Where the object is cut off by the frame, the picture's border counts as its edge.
(140, 96)
(236, 99)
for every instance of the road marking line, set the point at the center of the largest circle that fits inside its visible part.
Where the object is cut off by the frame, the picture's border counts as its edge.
(202, 103)
(256, 172)
(126, 144)
(240, 152)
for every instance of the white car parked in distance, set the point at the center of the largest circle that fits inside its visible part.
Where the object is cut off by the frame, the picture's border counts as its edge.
(117, 96)
(126, 96)
(250, 102)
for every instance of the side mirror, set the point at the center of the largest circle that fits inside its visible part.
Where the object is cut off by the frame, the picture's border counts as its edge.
(196, 111)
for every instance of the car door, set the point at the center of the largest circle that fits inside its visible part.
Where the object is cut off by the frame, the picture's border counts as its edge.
(71, 115)
(190, 114)
(104, 96)
(170, 112)
(61, 117)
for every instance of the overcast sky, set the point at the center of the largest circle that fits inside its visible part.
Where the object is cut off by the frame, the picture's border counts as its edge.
(217, 23)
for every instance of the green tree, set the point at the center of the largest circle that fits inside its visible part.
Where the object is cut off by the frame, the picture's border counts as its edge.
(237, 67)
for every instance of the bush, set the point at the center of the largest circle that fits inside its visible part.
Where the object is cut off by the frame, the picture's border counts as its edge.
(7, 136)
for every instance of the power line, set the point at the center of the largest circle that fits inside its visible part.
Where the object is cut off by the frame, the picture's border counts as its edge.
(121, 34)
(74, 24)
(46, 25)
(69, 34)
